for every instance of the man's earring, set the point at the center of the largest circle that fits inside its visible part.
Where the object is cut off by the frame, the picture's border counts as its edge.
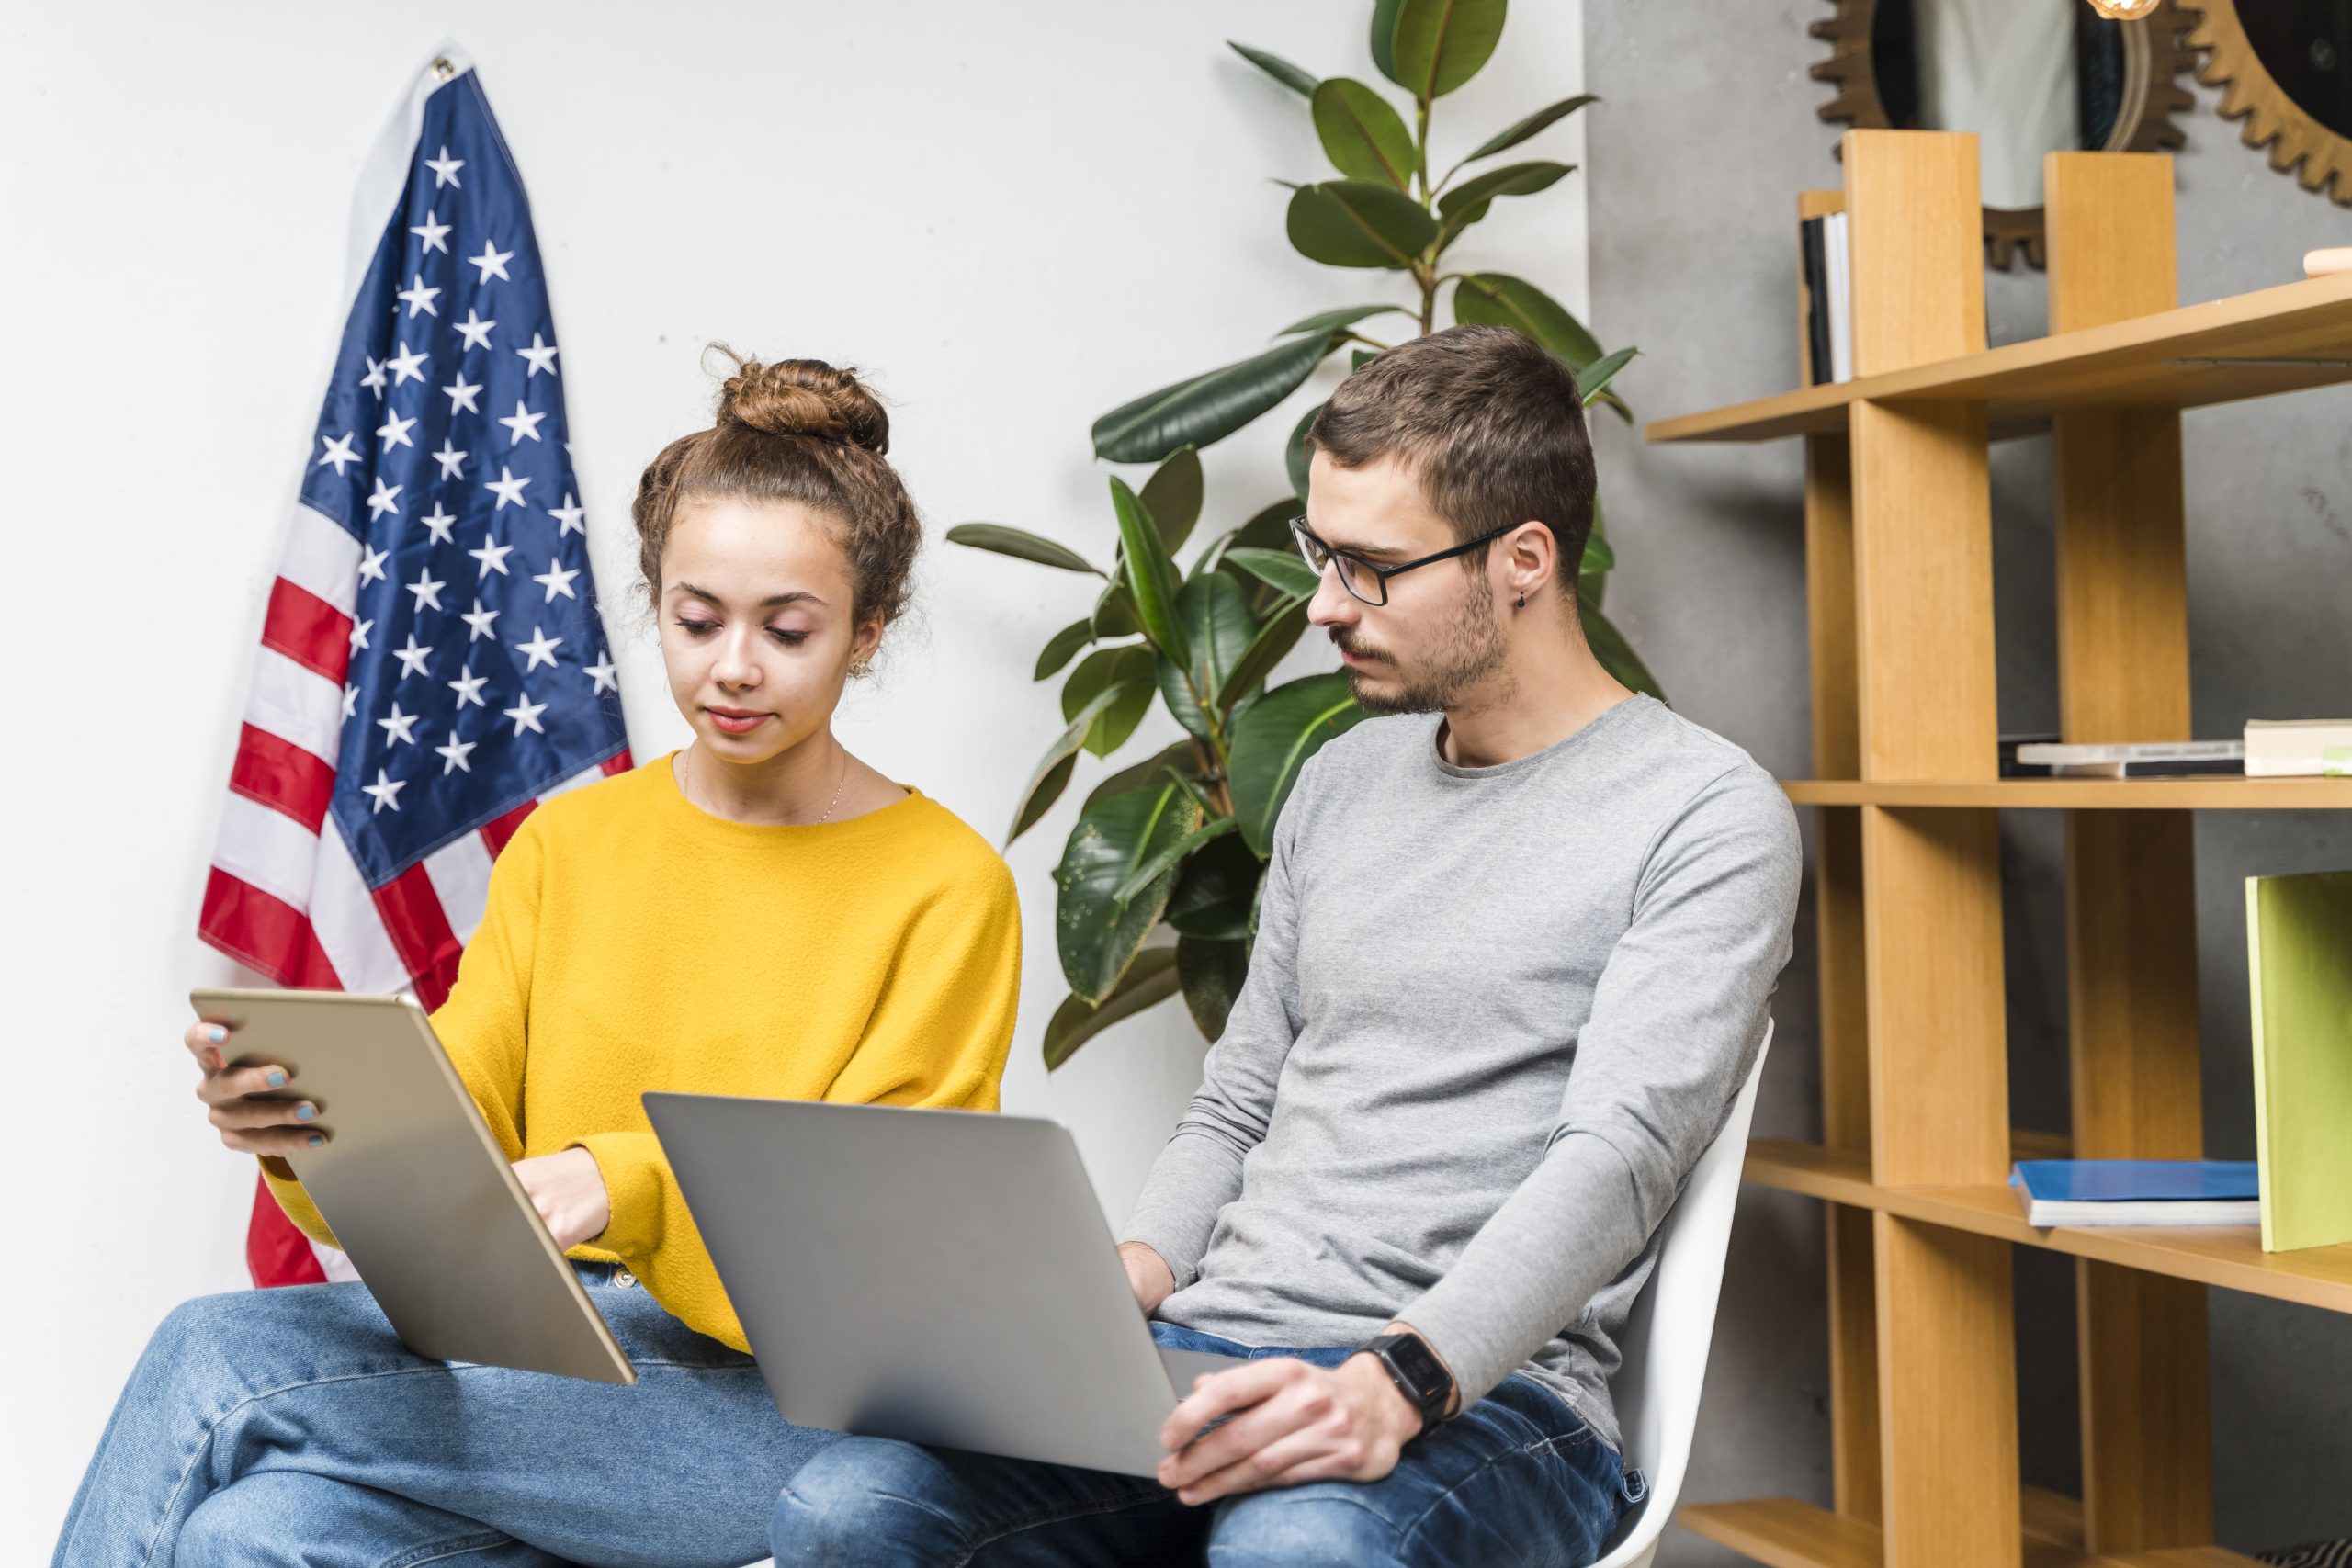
(1523, 601)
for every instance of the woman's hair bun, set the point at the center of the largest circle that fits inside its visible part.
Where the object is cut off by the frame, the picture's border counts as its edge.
(803, 397)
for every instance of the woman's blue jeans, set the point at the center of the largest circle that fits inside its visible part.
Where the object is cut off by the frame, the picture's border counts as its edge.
(1516, 1478)
(290, 1426)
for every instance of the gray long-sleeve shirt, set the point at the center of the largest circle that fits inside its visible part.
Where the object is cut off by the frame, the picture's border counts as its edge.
(1492, 1018)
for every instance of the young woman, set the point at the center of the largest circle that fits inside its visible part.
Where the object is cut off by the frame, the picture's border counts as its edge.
(759, 913)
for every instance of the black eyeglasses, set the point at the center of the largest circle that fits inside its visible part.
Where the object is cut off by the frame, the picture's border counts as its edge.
(1362, 577)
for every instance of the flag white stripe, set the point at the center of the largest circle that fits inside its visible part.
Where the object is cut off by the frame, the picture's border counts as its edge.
(268, 849)
(578, 781)
(343, 917)
(459, 872)
(297, 705)
(322, 558)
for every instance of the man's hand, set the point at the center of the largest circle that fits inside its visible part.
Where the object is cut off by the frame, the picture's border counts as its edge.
(568, 1190)
(1148, 1275)
(1296, 1422)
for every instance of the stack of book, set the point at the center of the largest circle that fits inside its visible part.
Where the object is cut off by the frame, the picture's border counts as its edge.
(2288, 748)
(1829, 299)
(2137, 1191)
(2133, 759)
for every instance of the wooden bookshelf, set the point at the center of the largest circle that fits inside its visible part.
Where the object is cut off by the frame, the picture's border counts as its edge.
(1917, 1139)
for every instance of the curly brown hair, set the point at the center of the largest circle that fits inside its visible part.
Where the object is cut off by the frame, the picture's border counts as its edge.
(797, 430)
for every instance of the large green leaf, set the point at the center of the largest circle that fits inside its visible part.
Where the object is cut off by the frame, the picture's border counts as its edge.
(1495, 299)
(1298, 459)
(1105, 669)
(1151, 576)
(1598, 559)
(1345, 316)
(1062, 647)
(1268, 528)
(1028, 547)
(1592, 582)
(1150, 979)
(1212, 974)
(1384, 38)
(1363, 133)
(1468, 202)
(1358, 223)
(1114, 612)
(1046, 785)
(1274, 740)
(1218, 627)
(1172, 496)
(1615, 654)
(1284, 569)
(1275, 638)
(1274, 65)
(1592, 380)
(1145, 774)
(1520, 131)
(1210, 407)
(1095, 935)
(1216, 891)
(1440, 44)
(1164, 860)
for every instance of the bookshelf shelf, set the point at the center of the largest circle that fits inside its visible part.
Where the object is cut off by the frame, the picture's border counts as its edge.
(2290, 338)
(2209, 793)
(1787, 1533)
(2227, 1255)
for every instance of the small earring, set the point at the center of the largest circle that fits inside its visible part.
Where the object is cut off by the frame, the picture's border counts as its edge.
(860, 666)
(1523, 601)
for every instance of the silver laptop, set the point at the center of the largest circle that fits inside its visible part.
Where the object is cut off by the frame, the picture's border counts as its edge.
(941, 1276)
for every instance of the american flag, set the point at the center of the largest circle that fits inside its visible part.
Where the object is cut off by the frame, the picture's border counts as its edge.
(432, 665)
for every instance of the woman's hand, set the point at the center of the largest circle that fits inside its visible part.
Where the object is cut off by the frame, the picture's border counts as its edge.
(248, 1126)
(568, 1190)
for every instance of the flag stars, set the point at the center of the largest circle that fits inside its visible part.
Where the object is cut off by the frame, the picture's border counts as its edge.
(440, 524)
(360, 631)
(455, 755)
(374, 379)
(542, 355)
(461, 394)
(492, 557)
(540, 649)
(386, 791)
(526, 715)
(427, 591)
(407, 364)
(350, 699)
(479, 620)
(338, 452)
(556, 580)
(411, 657)
(468, 685)
(371, 565)
(399, 729)
(492, 261)
(417, 296)
(452, 458)
(445, 169)
(475, 331)
(521, 425)
(570, 517)
(606, 678)
(385, 499)
(507, 488)
(394, 431)
(435, 234)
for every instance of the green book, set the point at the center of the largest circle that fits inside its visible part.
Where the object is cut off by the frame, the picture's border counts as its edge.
(2299, 956)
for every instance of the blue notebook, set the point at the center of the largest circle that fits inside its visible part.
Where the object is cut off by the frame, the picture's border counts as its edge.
(2138, 1191)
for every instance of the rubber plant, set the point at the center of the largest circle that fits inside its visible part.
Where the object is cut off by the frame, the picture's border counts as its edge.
(1181, 837)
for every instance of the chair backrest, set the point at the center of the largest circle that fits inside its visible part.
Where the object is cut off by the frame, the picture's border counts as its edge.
(1664, 1346)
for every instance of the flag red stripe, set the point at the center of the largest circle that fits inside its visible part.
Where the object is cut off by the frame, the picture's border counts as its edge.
(282, 775)
(262, 931)
(618, 763)
(498, 830)
(415, 921)
(308, 630)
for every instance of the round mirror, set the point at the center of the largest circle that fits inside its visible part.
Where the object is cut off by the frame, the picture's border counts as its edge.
(2027, 76)
(2285, 67)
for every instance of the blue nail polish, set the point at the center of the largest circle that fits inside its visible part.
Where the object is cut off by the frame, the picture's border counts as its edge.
(277, 1080)
(304, 1112)
(316, 1141)
(216, 1035)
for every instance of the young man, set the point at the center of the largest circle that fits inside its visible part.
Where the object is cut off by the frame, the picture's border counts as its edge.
(1512, 961)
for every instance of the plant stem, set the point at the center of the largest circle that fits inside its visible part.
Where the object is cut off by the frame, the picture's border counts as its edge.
(1425, 275)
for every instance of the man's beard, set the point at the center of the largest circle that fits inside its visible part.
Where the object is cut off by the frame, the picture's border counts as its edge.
(1470, 651)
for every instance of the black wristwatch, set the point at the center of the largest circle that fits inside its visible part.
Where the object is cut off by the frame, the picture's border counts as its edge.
(1414, 1368)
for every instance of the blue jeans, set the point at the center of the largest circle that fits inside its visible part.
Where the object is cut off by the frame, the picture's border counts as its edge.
(1517, 1478)
(291, 1427)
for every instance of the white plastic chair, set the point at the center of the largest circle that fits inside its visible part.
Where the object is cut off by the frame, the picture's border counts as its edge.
(1664, 1347)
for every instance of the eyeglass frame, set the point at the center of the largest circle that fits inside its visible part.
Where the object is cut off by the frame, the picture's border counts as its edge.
(1303, 536)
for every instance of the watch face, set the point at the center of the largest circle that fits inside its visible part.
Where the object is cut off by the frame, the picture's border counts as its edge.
(1423, 1368)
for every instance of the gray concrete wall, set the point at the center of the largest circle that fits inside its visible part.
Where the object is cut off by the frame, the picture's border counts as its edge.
(1707, 131)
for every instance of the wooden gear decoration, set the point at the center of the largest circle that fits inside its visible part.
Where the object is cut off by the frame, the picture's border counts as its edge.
(2154, 56)
(2299, 144)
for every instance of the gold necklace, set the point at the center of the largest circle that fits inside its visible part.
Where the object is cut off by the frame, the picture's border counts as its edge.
(837, 790)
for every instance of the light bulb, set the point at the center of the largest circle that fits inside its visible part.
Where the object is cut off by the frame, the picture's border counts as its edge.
(2124, 10)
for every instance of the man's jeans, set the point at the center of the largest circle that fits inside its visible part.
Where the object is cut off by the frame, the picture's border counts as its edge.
(291, 1427)
(1517, 1478)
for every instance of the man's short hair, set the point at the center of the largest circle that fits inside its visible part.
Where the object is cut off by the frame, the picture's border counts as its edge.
(1490, 424)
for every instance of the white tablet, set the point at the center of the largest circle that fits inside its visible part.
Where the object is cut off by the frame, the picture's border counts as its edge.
(414, 1186)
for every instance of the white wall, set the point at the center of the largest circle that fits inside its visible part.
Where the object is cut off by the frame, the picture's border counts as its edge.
(1012, 217)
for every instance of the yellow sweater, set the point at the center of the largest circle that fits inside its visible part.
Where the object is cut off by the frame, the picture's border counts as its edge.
(631, 941)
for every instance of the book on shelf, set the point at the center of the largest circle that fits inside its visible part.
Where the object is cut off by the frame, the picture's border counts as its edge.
(2133, 759)
(2299, 961)
(2292, 748)
(2150, 768)
(2137, 1191)
(1827, 298)
(2012, 767)
(1814, 262)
